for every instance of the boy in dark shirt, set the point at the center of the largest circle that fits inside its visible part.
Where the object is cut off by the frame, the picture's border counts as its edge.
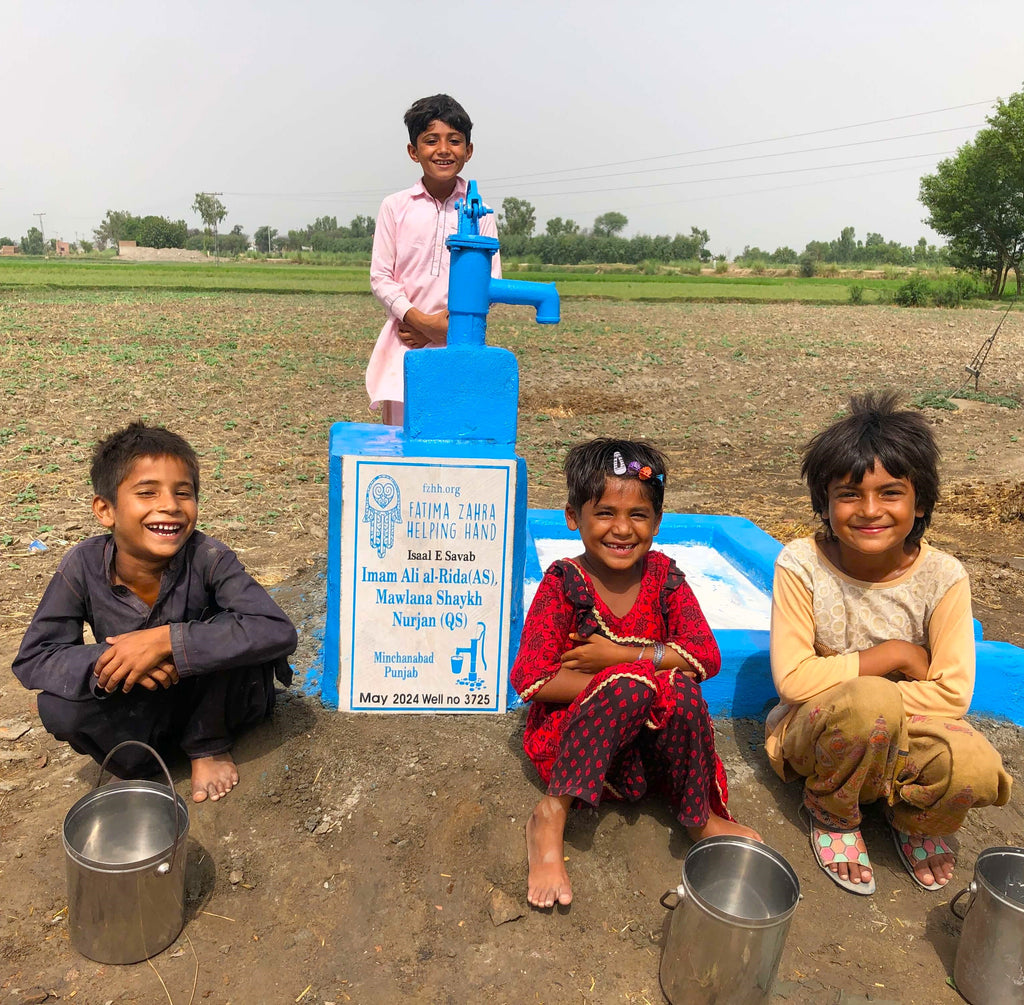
(188, 643)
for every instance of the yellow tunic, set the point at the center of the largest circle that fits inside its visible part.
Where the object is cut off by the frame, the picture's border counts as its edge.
(822, 619)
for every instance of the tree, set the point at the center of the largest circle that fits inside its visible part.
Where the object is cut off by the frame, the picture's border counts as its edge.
(264, 238)
(32, 242)
(116, 226)
(362, 226)
(212, 211)
(517, 217)
(159, 232)
(976, 198)
(609, 224)
(557, 227)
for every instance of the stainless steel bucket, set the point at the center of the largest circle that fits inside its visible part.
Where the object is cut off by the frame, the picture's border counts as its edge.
(125, 860)
(989, 968)
(729, 925)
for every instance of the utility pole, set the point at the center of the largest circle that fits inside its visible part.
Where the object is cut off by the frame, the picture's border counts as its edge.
(41, 231)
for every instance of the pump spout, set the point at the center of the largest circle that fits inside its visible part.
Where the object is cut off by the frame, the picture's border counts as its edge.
(543, 297)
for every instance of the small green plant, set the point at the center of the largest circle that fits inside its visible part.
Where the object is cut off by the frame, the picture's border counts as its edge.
(989, 399)
(915, 292)
(933, 399)
(856, 294)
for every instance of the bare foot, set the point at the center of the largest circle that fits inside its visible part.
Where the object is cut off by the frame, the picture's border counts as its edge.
(213, 777)
(719, 825)
(935, 869)
(548, 882)
(849, 844)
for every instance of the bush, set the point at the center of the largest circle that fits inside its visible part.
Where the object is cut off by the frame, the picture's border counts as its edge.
(955, 291)
(856, 294)
(757, 267)
(721, 266)
(830, 269)
(808, 266)
(915, 292)
(883, 296)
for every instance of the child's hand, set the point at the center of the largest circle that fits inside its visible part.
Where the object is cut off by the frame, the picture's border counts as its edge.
(895, 656)
(134, 656)
(411, 338)
(433, 327)
(595, 653)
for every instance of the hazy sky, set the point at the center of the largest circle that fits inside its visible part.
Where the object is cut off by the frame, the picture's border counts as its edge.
(675, 113)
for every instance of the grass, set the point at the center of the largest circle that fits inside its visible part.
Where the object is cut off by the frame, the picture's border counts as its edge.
(277, 277)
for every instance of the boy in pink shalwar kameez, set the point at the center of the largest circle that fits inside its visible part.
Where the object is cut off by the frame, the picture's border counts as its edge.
(409, 269)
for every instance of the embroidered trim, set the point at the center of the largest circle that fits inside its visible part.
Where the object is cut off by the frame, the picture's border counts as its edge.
(702, 674)
(611, 680)
(527, 693)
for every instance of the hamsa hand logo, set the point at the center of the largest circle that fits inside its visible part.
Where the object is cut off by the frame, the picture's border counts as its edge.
(383, 512)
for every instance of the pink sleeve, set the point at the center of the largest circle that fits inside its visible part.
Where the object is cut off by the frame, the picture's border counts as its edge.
(385, 287)
(489, 228)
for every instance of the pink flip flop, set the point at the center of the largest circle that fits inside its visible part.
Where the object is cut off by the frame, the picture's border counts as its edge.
(842, 846)
(914, 849)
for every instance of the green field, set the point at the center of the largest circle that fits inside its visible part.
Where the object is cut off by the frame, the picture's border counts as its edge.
(274, 277)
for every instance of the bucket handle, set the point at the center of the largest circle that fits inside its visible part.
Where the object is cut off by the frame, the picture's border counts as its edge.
(678, 892)
(972, 890)
(164, 867)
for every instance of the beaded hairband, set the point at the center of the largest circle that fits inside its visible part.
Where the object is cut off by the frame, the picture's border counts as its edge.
(635, 468)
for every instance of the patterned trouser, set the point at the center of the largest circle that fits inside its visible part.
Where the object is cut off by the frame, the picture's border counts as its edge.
(607, 745)
(853, 745)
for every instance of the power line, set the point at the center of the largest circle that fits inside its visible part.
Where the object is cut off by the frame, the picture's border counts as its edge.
(739, 177)
(749, 143)
(754, 157)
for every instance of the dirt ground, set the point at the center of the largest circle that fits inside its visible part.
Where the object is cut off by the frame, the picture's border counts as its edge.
(368, 858)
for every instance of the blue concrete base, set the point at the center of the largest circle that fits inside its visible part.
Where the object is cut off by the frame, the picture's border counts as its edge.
(744, 687)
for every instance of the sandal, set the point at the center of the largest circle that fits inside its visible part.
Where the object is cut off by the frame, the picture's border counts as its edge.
(842, 846)
(914, 849)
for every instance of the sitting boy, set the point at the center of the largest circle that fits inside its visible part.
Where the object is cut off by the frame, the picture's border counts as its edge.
(188, 643)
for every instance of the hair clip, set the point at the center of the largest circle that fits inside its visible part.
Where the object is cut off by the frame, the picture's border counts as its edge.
(618, 464)
(641, 471)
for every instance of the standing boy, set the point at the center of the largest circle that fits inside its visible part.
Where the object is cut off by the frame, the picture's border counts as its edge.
(409, 270)
(187, 643)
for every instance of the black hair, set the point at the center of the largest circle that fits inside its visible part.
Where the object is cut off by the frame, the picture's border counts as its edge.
(441, 107)
(589, 465)
(875, 430)
(113, 457)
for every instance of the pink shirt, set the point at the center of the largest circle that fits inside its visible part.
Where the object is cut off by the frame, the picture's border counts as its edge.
(409, 268)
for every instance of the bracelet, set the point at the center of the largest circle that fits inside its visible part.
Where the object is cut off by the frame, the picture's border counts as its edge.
(640, 655)
(659, 654)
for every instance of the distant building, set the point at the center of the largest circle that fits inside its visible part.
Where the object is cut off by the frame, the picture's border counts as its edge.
(63, 249)
(7, 249)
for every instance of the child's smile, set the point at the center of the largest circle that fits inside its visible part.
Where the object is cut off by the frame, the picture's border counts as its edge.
(618, 529)
(871, 520)
(155, 512)
(442, 152)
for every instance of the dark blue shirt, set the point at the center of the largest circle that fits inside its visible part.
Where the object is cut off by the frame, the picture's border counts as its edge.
(219, 616)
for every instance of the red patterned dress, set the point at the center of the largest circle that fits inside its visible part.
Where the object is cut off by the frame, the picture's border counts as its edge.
(632, 728)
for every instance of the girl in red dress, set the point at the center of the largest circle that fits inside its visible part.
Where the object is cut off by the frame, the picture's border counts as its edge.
(611, 659)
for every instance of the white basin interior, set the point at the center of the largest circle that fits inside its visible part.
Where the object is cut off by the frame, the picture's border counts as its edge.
(726, 596)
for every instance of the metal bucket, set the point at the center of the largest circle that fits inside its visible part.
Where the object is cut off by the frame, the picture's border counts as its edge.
(989, 968)
(125, 859)
(729, 924)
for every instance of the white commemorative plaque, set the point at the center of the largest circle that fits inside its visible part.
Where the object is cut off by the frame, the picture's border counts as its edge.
(426, 557)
